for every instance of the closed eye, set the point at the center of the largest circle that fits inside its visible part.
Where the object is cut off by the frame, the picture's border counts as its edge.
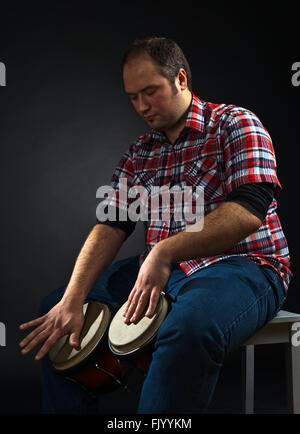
(151, 92)
(147, 91)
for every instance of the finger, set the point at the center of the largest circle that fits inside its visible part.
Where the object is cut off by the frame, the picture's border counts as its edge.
(153, 303)
(50, 342)
(140, 307)
(32, 323)
(42, 336)
(132, 307)
(31, 335)
(74, 339)
(129, 300)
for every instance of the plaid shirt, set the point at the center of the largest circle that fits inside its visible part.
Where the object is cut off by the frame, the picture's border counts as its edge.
(220, 148)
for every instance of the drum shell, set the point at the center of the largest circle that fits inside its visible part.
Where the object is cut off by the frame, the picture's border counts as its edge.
(93, 378)
(142, 354)
(88, 372)
(88, 361)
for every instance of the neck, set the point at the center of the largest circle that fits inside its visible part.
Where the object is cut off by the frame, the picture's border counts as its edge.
(173, 133)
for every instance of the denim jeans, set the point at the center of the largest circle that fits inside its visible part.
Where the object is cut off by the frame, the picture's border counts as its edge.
(212, 313)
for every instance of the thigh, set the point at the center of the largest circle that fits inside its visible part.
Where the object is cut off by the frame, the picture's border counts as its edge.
(225, 302)
(113, 286)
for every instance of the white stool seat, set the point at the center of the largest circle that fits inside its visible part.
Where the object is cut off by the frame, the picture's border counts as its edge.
(281, 329)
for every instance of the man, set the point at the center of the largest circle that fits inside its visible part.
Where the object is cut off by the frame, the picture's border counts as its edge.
(226, 279)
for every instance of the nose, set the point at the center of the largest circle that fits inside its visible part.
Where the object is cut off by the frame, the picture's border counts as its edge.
(142, 104)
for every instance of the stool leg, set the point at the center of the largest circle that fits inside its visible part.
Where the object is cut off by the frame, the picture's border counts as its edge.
(248, 378)
(293, 369)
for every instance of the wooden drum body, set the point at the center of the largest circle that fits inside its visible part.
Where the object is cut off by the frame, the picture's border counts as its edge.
(134, 343)
(93, 365)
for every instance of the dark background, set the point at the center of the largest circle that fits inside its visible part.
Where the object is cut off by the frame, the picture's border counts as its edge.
(65, 121)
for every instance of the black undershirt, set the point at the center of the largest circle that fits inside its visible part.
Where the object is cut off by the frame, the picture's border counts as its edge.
(127, 226)
(255, 197)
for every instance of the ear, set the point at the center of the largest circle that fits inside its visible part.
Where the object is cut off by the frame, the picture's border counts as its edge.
(182, 79)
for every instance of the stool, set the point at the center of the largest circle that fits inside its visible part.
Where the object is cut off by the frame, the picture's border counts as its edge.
(281, 329)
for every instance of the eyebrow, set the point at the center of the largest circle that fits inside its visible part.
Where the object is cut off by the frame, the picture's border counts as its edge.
(142, 90)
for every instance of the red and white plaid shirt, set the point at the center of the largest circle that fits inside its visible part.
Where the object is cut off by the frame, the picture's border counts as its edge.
(220, 148)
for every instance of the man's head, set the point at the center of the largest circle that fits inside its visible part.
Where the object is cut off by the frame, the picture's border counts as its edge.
(157, 78)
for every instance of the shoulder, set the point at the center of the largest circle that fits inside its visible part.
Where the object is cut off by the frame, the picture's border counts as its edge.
(228, 113)
(235, 122)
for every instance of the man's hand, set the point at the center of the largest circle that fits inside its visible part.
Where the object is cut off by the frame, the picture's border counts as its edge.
(63, 319)
(152, 278)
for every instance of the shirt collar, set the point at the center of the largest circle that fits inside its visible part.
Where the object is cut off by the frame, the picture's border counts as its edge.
(194, 119)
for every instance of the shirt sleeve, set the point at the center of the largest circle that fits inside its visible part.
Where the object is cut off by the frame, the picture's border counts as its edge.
(113, 210)
(248, 152)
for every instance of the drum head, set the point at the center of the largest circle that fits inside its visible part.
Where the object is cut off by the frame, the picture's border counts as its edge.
(96, 319)
(127, 338)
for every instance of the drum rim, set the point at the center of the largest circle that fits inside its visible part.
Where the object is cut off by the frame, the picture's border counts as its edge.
(71, 365)
(164, 306)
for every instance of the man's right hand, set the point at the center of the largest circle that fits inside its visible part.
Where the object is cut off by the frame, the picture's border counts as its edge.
(66, 318)
(63, 319)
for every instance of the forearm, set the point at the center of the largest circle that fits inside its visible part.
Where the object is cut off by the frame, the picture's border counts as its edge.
(97, 253)
(223, 228)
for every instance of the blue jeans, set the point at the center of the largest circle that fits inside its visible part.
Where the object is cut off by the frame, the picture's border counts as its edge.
(213, 312)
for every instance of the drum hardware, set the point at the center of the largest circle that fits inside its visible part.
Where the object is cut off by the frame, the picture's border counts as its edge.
(108, 348)
(116, 379)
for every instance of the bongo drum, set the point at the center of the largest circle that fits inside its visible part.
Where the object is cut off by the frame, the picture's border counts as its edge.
(134, 343)
(92, 364)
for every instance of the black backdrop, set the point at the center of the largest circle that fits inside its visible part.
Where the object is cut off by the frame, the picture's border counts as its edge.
(64, 122)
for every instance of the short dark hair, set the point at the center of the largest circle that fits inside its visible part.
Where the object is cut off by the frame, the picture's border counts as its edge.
(165, 53)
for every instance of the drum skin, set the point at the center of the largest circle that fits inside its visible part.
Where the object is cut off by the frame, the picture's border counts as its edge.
(92, 364)
(108, 348)
(134, 342)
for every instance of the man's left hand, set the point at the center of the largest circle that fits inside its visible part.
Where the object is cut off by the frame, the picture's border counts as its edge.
(152, 278)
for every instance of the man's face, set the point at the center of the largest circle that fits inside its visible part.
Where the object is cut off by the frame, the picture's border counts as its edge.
(151, 93)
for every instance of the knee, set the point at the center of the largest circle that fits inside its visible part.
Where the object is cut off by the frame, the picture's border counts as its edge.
(193, 332)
